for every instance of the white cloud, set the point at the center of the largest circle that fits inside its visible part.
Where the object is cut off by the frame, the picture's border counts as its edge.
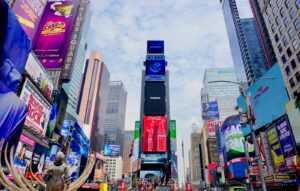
(195, 39)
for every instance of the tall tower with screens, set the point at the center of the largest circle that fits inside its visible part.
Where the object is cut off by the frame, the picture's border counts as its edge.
(155, 116)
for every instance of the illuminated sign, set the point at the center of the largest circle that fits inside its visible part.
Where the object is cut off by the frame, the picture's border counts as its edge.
(155, 134)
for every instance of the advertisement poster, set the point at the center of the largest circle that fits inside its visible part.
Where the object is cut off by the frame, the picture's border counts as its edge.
(111, 150)
(155, 70)
(173, 135)
(51, 156)
(155, 134)
(276, 152)
(287, 144)
(65, 129)
(233, 137)
(39, 75)
(211, 127)
(39, 108)
(261, 96)
(29, 14)
(38, 158)
(210, 110)
(55, 32)
(13, 110)
(23, 154)
(150, 173)
(53, 115)
(174, 167)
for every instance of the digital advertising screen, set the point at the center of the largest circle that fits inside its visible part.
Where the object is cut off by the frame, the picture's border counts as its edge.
(111, 150)
(155, 47)
(155, 99)
(155, 70)
(155, 134)
(210, 110)
(55, 32)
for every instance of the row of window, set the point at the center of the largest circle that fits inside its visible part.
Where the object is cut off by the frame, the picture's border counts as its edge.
(289, 51)
(293, 81)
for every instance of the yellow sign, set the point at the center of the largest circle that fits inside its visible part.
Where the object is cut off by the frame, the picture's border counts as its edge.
(103, 187)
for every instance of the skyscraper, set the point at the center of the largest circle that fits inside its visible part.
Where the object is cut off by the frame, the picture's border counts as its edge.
(93, 98)
(283, 24)
(224, 93)
(127, 162)
(115, 113)
(73, 87)
(246, 48)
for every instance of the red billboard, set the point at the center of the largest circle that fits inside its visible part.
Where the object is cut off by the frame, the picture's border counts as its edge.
(155, 134)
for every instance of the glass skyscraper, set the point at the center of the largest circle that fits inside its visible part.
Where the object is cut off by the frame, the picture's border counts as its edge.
(73, 87)
(246, 48)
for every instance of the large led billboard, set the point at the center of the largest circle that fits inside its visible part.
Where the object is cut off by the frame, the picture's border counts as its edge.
(155, 70)
(173, 135)
(155, 47)
(155, 134)
(268, 95)
(111, 150)
(29, 14)
(55, 31)
(210, 110)
(155, 101)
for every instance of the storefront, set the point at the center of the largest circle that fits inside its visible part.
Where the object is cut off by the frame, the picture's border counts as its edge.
(281, 182)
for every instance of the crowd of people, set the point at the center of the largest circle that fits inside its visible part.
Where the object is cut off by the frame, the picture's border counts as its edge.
(151, 184)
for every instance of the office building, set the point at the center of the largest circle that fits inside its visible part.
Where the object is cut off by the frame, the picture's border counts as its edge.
(224, 93)
(73, 87)
(195, 157)
(246, 48)
(114, 122)
(263, 33)
(283, 24)
(93, 98)
(128, 146)
(113, 168)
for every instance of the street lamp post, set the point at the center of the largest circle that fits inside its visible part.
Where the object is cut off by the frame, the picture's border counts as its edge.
(249, 120)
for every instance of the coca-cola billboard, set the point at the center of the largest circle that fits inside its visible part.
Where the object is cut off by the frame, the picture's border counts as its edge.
(155, 134)
(39, 108)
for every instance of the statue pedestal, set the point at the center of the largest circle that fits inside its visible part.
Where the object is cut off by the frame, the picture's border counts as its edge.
(163, 188)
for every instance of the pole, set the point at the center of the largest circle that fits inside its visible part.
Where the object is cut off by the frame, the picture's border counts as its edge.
(247, 158)
(254, 141)
(183, 162)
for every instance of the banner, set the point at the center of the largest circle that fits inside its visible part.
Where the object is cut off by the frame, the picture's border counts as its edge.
(136, 142)
(39, 108)
(276, 152)
(210, 110)
(38, 158)
(39, 75)
(29, 14)
(173, 135)
(174, 167)
(155, 134)
(54, 33)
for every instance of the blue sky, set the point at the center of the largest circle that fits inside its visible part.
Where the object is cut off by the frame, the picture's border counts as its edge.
(195, 38)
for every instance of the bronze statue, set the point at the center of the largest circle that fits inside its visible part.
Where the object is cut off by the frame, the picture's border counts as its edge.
(56, 178)
(57, 174)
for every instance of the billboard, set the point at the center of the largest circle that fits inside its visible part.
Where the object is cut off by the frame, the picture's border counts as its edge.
(136, 140)
(155, 134)
(155, 99)
(155, 70)
(233, 137)
(276, 151)
(174, 167)
(39, 75)
(287, 143)
(54, 33)
(155, 47)
(153, 158)
(111, 150)
(150, 173)
(23, 153)
(237, 168)
(65, 128)
(29, 14)
(210, 110)
(74, 160)
(293, 112)
(173, 135)
(38, 158)
(260, 96)
(211, 127)
(39, 108)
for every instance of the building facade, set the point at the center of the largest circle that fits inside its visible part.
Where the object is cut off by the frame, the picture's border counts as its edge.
(283, 24)
(73, 87)
(114, 122)
(128, 146)
(246, 48)
(224, 93)
(113, 168)
(92, 99)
